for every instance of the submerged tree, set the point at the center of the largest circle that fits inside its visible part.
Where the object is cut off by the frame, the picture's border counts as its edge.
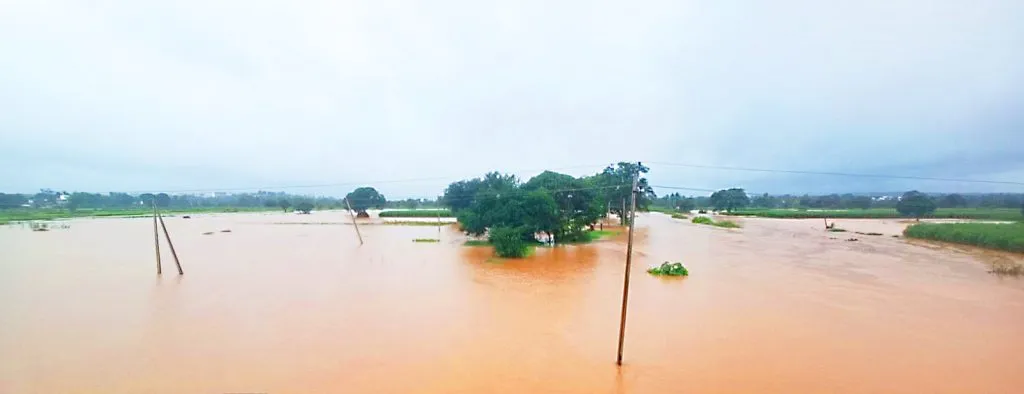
(915, 204)
(284, 204)
(729, 199)
(365, 198)
(304, 207)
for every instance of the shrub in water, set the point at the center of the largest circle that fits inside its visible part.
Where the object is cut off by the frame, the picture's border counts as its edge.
(508, 242)
(670, 269)
(702, 220)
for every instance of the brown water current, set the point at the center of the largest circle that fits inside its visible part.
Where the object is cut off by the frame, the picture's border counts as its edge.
(775, 307)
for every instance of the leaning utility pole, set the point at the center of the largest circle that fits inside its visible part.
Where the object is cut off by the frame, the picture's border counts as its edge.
(629, 261)
(353, 215)
(170, 244)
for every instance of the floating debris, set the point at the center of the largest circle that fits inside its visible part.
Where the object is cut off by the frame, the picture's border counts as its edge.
(227, 230)
(186, 217)
(208, 233)
(852, 240)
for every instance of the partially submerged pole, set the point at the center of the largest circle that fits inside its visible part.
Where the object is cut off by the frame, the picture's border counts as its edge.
(438, 224)
(353, 215)
(156, 241)
(629, 261)
(169, 243)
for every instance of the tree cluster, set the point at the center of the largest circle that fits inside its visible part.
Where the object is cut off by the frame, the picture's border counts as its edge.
(560, 206)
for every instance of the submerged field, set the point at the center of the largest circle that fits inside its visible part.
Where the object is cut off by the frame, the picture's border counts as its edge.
(779, 306)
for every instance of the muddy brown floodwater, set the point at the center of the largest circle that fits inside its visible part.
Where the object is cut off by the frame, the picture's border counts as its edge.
(279, 306)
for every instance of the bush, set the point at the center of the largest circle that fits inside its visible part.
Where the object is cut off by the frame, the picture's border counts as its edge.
(702, 220)
(508, 242)
(669, 269)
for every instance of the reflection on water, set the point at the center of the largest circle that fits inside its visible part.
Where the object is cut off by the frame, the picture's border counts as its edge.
(774, 307)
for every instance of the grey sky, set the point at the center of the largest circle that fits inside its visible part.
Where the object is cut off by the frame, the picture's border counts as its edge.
(139, 95)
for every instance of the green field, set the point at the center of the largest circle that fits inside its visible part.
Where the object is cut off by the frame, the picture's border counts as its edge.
(417, 213)
(1008, 237)
(17, 215)
(1007, 214)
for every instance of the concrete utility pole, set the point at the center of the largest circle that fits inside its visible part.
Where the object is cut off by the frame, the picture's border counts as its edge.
(169, 243)
(629, 261)
(353, 215)
(156, 241)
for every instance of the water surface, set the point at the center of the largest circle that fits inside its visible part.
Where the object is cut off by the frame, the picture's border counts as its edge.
(776, 307)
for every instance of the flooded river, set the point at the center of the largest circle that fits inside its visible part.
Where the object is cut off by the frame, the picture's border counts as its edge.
(293, 304)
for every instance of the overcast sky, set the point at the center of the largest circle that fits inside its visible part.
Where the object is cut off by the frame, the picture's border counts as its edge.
(181, 95)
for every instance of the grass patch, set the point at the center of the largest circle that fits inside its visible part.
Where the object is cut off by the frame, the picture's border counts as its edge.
(426, 240)
(667, 210)
(477, 242)
(680, 216)
(702, 220)
(726, 224)
(716, 223)
(669, 269)
(1003, 214)
(1009, 237)
(413, 223)
(598, 234)
(417, 213)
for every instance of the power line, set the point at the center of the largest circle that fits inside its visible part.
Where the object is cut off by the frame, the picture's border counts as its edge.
(804, 172)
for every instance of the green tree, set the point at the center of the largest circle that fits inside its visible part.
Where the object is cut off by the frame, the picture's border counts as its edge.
(284, 204)
(764, 201)
(862, 202)
(8, 201)
(615, 183)
(530, 212)
(365, 198)
(686, 204)
(147, 198)
(578, 205)
(508, 242)
(163, 200)
(304, 207)
(270, 203)
(952, 201)
(915, 204)
(729, 199)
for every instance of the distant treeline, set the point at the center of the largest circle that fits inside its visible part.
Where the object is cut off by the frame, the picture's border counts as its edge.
(737, 198)
(48, 198)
